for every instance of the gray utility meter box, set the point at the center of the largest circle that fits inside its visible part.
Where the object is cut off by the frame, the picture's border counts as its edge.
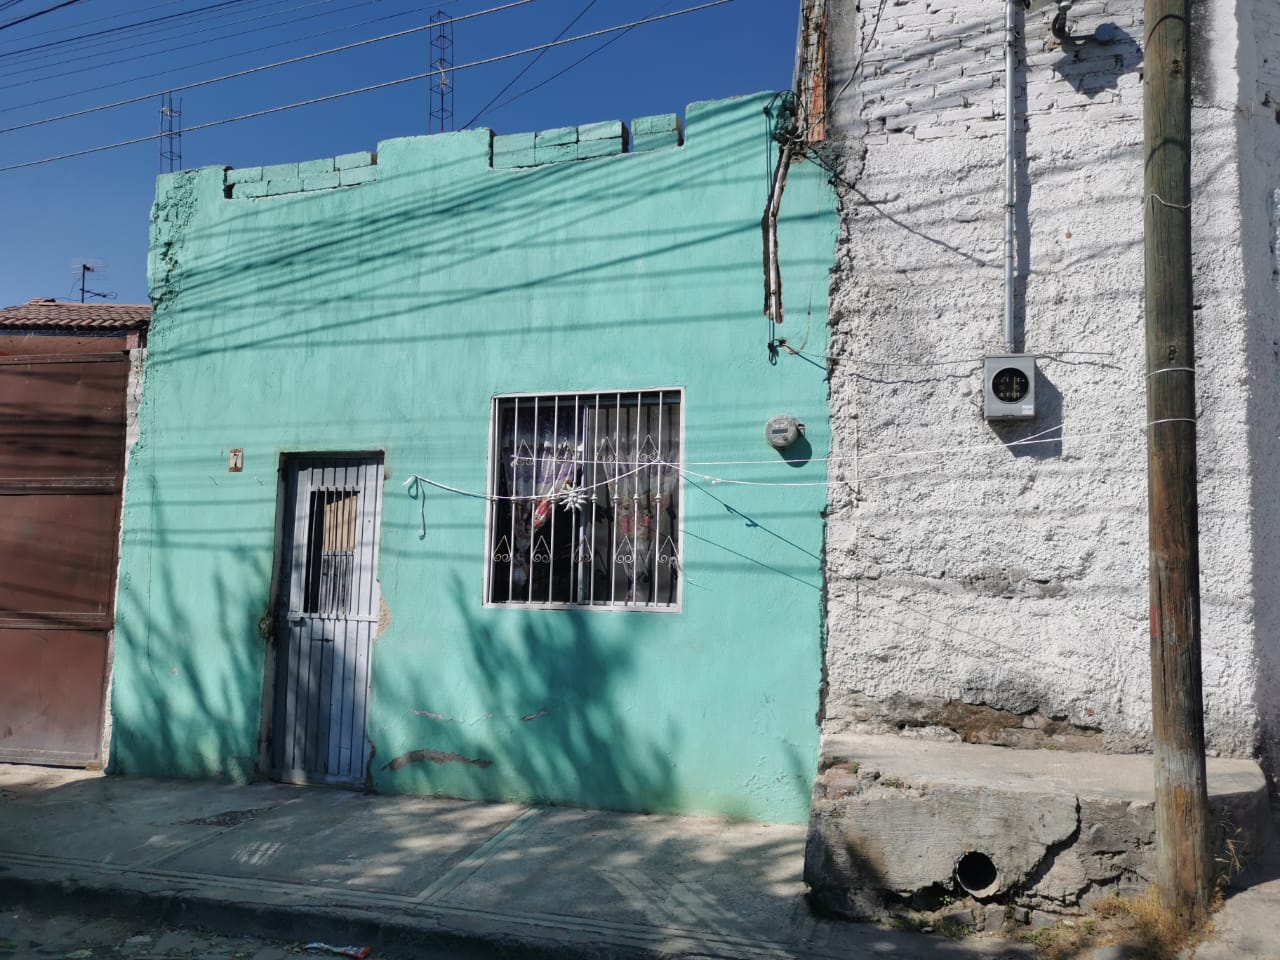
(1009, 387)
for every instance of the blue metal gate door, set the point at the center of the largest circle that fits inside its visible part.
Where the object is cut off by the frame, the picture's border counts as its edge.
(328, 614)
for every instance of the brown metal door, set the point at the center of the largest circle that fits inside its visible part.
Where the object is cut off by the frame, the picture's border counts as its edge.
(62, 442)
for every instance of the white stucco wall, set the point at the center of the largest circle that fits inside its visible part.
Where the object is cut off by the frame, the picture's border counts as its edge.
(1258, 121)
(964, 567)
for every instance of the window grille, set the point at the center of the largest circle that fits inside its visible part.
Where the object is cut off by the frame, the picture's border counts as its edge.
(331, 551)
(586, 500)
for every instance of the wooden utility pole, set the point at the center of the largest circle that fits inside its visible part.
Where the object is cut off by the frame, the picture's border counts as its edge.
(1184, 877)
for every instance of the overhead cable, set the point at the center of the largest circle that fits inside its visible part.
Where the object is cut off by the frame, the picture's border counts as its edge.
(90, 58)
(116, 15)
(367, 89)
(259, 69)
(527, 67)
(199, 63)
(120, 29)
(38, 13)
(561, 72)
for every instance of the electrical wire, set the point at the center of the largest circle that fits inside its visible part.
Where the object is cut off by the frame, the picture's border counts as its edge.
(120, 29)
(968, 449)
(84, 23)
(366, 89)
(560, 73)
(108, 49)
(715, 479)
(89, 60)
(201, 63)
(259, 69)
(853, 73)
(38, 13)
(971, 361)
(525, 69)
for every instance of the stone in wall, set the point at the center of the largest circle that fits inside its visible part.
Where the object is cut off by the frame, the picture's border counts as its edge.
(933, 718)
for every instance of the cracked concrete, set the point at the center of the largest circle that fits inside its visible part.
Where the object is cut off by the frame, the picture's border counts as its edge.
(893, 817)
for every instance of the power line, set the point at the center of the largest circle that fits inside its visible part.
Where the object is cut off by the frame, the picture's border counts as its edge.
(119, 29)
(85, 53)
(266, 66)
(526, 68)
(201, 63)
(82, 23)
(19, 61)
(370, 88)
(38, 13)
(560, 73)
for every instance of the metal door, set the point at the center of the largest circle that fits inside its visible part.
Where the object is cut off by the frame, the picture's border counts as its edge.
(328, 614)
(62, 443)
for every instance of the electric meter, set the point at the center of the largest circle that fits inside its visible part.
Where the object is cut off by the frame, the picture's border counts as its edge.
(1009, 387)
(782, 431)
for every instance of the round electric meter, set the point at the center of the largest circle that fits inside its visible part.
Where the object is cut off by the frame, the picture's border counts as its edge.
(781, 431)
(1010, 385)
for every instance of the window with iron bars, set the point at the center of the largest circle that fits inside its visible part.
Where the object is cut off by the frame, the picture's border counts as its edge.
(585, 500)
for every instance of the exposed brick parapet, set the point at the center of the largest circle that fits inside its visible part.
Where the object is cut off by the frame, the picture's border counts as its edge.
(591, 141)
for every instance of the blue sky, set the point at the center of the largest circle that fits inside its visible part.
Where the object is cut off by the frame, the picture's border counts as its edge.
(95, 208)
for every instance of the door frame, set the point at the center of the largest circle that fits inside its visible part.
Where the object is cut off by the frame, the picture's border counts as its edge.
(275, 640)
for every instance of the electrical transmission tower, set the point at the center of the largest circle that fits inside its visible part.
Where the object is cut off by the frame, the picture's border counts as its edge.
(170, 134)
(441, 76)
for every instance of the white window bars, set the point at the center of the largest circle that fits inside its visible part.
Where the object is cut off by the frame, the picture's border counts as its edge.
(585, 507)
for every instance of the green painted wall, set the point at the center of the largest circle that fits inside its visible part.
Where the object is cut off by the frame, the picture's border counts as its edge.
(385, 315)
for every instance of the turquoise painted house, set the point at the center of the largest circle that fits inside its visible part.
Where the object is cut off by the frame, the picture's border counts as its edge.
(453, 475)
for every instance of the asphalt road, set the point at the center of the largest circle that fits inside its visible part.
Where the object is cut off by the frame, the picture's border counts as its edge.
(37, 933)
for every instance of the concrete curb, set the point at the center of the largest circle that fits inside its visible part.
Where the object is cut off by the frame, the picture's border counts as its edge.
(295, 912)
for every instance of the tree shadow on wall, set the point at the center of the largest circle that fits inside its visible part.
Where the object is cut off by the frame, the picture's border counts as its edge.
(525, 704)
(1094, 62)
(180, 708)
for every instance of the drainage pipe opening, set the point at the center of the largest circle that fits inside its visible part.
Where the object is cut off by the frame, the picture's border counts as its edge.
(977, 875)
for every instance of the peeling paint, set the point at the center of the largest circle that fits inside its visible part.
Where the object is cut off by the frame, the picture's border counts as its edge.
(433, 756)
(533, 716)
(384, 614)
(429, 715)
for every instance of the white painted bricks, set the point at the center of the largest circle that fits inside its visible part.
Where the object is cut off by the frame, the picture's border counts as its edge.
(960, 567)
(940, 66)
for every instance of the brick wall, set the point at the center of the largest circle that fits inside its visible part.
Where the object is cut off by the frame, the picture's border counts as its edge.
(935, 68)
(591, 141)
(1006, 565)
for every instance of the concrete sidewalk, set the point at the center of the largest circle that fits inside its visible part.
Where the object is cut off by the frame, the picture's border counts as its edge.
(454, 878)
(469, 879)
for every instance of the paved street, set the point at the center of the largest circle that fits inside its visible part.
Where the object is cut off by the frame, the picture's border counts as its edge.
(417, 878)
(434, 875)
(28, 933)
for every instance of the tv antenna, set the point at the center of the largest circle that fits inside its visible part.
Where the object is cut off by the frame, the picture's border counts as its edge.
(170, 134)
(85, 267)
(442, 74)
